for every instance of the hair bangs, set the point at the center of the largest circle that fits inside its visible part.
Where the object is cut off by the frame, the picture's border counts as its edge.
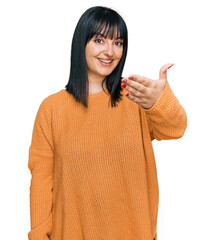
(107, 28)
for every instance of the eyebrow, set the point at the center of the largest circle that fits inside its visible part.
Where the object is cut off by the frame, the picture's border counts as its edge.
(102, 35)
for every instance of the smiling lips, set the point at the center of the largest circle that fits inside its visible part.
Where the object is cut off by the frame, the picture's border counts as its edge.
(105, 62)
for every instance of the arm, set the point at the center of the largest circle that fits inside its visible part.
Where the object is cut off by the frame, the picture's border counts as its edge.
(40, 164)
(167, 118)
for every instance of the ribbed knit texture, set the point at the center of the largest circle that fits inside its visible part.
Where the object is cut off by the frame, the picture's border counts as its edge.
(93, 170)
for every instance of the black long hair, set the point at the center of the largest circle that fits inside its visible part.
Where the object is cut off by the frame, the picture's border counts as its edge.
(91, 23)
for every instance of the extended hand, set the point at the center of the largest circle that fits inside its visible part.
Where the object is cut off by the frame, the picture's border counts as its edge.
(145, 91)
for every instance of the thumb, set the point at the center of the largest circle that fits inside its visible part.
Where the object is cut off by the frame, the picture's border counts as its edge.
(163, 71)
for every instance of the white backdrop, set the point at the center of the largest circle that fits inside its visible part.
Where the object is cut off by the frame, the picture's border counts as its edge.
(35, 47)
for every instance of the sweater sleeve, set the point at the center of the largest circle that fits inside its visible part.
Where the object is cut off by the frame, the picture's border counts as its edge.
(40, 164)
(166, 119)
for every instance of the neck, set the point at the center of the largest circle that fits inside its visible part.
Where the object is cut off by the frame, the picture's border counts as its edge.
(95, 84)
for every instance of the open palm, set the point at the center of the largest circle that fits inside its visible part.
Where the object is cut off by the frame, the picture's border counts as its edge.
(145, 91)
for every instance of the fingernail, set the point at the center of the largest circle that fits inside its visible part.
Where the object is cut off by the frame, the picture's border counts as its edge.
(127, 94)
(124, 80)
(131, 77)
(123, 85)
(171, 66)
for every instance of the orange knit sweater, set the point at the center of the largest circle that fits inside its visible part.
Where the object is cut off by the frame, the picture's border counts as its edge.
(93, 170)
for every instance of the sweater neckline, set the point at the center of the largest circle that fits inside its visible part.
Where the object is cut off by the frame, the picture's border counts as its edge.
(99, 93)
(94, 94)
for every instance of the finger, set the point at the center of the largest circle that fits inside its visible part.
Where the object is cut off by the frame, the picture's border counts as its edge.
(163, 71)
(139, 100)
(134, 92)
(134, 87)
(141, 79)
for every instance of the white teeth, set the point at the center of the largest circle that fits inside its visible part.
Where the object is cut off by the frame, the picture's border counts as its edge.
(105, 61)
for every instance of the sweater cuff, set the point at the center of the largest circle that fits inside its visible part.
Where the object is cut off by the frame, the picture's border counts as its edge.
(42, 231)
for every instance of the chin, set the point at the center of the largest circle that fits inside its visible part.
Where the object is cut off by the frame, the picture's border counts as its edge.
(107, 72)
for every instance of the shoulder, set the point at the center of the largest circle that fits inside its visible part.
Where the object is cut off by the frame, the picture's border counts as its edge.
(54, 98)
(50, 102)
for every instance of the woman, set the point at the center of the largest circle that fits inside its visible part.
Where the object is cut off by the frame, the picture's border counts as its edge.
(93, 168)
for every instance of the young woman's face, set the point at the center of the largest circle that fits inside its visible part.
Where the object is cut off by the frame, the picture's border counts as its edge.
(100, 49)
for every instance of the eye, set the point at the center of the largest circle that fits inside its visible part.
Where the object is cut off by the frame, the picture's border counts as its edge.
(98, 39)
(119, 43)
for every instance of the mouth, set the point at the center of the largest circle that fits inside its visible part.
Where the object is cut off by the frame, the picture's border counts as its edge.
(105, 62)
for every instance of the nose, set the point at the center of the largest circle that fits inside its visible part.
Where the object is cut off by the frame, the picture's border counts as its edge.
(109, 50)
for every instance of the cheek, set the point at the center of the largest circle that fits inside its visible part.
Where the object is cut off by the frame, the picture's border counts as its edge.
(90, 51)
(94, 51)
(119, 54)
